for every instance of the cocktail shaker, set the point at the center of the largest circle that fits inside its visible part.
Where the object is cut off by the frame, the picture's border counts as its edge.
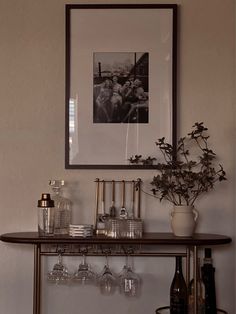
(46, 212)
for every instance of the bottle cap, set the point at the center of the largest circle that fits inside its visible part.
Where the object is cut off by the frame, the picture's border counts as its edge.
(56, 183)
(45, 201)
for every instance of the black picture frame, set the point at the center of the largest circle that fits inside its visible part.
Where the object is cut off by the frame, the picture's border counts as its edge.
(87, 36)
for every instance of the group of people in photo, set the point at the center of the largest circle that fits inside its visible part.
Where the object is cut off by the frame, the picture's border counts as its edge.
(117, 103)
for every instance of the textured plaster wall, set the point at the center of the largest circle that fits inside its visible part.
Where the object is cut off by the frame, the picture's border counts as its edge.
(32, 83)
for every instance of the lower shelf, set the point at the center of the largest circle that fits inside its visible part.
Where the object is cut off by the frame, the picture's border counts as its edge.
(166, 310)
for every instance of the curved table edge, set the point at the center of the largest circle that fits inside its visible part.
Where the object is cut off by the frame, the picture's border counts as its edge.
(199, 239)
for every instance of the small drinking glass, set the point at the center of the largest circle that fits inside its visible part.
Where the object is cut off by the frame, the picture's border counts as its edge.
(59, 273)
(134, 228)
(107, 281)
(113, 228)
(84, 274)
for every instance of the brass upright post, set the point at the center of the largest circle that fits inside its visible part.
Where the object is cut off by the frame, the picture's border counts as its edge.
(195, 266)
(97, 204)
(37, 279)
(139, 199)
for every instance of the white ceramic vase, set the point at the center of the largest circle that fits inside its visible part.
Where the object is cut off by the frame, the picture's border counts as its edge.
(183, 220)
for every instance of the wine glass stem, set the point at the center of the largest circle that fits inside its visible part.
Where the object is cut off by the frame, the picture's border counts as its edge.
(128, 261)
(84, 259)
(107, 261)
(59, 258)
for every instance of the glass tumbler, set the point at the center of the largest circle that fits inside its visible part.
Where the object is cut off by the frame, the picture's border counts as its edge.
(113, 228)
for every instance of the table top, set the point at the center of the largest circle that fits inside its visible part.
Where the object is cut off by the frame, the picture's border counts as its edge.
(198, 239)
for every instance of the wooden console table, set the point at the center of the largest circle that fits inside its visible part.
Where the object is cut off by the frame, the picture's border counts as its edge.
(148, 240)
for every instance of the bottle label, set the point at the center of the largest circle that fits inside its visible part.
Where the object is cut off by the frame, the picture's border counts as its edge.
(178, 305)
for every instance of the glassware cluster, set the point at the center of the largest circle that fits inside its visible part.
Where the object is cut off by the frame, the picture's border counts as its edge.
(182, 297)
(128, 283)
(54, 212)
(116, 221)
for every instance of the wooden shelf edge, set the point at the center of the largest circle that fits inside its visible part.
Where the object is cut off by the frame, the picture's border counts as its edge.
(198, 239)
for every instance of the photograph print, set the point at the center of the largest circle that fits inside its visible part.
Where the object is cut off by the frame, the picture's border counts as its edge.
(120, 87)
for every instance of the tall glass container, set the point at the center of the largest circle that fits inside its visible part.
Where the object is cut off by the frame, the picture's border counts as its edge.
(63, 207)
(46, 215)
(200, 293)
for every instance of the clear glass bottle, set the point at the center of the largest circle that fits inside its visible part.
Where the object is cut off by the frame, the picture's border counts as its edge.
(46, 215)
(63, 206)
(200, 293)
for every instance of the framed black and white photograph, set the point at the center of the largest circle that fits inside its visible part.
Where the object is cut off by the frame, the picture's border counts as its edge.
(120, 83)
(120, 90)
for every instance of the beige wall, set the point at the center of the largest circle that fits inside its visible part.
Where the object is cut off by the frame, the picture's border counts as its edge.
(32, 84)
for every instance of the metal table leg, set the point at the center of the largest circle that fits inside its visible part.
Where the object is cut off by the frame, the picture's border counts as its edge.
(195, 266)
(37, 279)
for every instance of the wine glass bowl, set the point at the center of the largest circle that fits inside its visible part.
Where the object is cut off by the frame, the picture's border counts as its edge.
(107, 281)
(59, 273)
(84, 274)
(129, 281)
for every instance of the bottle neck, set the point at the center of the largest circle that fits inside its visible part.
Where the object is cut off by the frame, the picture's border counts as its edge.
(56, 190)
(208, 257)
(178, 265)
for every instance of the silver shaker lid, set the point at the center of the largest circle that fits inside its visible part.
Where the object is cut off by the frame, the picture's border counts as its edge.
(46, 201)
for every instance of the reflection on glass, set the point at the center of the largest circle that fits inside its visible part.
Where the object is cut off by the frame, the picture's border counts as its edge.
(73, 128)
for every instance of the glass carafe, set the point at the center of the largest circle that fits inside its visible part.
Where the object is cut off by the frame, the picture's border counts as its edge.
(63, 208)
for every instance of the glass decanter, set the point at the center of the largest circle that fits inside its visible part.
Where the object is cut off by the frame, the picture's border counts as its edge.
(62, 208)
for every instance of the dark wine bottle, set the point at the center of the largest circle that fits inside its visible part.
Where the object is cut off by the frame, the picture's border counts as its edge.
(208, 277)
(178, 291)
